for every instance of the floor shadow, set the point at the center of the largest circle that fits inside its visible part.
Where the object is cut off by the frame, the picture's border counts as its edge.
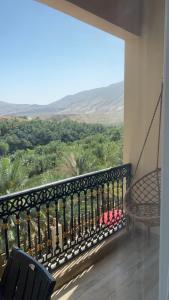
(129, 272)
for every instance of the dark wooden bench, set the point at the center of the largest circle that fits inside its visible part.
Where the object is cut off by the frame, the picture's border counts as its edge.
(25, 279)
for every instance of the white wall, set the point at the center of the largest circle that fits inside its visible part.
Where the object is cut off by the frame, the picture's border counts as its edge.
(143, 77)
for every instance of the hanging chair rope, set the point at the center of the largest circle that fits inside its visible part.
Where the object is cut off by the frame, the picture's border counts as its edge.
(142, 199)
(159, 102)
(159, 129)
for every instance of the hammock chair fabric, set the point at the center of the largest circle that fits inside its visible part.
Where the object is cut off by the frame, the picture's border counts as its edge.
(142, 199)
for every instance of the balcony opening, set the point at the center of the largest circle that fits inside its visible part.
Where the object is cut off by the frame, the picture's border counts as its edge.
(62, 97)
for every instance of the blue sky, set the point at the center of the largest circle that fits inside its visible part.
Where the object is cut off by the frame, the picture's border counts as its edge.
(45, 54)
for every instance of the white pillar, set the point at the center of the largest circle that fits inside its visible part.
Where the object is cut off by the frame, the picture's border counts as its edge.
(164, 224)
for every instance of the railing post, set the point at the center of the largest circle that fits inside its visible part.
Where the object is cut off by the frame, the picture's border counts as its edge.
(2, 264)
(54, 237)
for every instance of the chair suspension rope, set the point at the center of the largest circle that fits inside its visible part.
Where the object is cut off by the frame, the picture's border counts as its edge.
(159, 129)
(159, 102)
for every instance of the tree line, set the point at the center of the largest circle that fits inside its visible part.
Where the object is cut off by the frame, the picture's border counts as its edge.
(34, 152)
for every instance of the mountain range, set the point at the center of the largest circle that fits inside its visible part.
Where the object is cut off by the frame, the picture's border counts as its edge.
(104, 105)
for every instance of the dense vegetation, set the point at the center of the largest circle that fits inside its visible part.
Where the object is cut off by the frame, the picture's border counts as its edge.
(34, 152)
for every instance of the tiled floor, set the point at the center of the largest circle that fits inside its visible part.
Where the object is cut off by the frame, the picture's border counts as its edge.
(129, 272)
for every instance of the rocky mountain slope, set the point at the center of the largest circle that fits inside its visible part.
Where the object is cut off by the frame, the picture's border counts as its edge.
(90, 106)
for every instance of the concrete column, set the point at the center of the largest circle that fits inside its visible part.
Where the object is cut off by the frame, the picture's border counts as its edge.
(164, 225)
(144, 59)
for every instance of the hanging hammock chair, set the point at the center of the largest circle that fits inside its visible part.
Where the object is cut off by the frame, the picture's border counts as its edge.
(142, 199)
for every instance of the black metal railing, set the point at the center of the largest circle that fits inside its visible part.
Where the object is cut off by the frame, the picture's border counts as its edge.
(58, 221)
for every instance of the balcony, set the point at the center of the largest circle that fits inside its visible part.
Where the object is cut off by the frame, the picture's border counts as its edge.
(58, 222)
(76, 229)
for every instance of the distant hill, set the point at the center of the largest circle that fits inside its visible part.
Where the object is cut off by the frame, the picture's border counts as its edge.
(104, 105)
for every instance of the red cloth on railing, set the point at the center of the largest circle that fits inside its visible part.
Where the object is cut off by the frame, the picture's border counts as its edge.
(111, 217)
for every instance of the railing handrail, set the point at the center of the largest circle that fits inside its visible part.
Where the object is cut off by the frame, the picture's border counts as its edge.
(55, 183)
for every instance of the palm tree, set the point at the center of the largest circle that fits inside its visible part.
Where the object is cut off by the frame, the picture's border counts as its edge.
(76, 164)
(12, 176)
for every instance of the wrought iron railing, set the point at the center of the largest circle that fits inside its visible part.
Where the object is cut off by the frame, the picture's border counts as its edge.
(58, 221)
